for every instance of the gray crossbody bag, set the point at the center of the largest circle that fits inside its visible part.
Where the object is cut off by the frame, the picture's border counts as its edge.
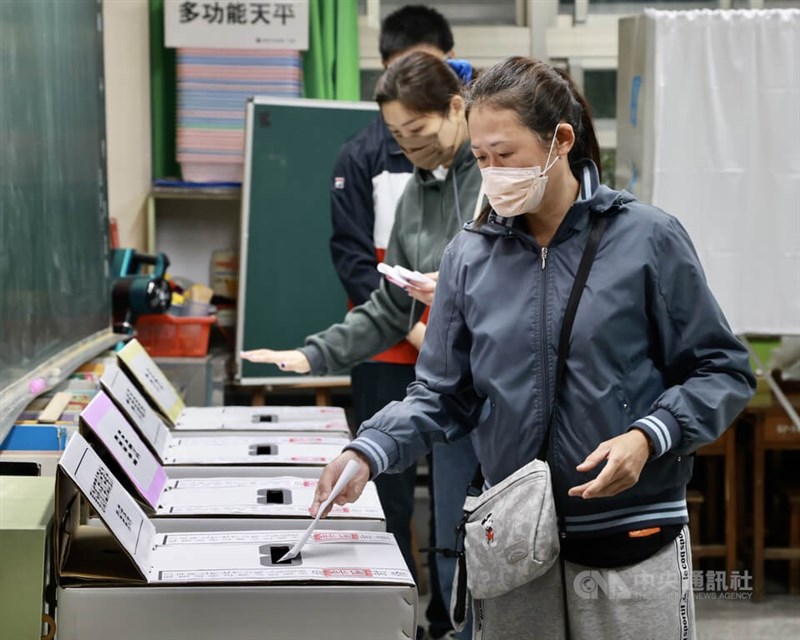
(509, 534)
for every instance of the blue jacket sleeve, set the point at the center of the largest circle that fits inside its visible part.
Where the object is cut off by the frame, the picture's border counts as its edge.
(353, 221)
(442, 404)
(706, 368)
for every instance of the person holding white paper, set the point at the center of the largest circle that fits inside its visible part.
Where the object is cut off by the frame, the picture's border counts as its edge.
(420, 102)
(651, 369)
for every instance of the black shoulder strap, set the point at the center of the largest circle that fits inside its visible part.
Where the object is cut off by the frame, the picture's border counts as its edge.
(589, 252)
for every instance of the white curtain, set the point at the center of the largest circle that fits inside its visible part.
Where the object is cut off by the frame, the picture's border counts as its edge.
(726, 154)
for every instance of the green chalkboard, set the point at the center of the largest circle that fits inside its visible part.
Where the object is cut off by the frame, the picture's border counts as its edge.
(54, 281)
(288, 287)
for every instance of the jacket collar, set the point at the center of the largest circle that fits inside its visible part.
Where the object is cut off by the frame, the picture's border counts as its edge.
(593, 198)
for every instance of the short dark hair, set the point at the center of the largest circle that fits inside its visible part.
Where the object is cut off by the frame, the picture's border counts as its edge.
(422, 83)
(411, 26)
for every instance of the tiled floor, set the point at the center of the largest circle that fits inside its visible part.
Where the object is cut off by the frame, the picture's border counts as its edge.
(776, 616)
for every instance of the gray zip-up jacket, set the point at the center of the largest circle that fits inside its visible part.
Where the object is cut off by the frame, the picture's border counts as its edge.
(429, 214)
(649, 348)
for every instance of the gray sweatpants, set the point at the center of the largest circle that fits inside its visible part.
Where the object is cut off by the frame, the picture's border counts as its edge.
(651, 600)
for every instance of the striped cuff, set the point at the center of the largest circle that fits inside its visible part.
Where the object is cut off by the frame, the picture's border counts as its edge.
(662, 429)
(379, 449)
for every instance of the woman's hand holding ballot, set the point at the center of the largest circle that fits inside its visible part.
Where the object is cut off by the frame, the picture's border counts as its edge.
(331, 473)
(420, 286)
(423, 290)
(292, 360)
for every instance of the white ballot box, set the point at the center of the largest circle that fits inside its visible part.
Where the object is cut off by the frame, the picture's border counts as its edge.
(267, 492)
(149, 376)
(267, 418)
(213, 448)
(120, 385)
(128, 581)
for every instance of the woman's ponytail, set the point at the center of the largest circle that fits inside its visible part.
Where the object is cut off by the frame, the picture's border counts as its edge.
(586, 144)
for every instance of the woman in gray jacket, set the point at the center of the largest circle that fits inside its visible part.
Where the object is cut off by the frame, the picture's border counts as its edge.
(653, 371)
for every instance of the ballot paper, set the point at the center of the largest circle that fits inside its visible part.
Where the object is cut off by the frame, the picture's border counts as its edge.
(403, 277)
(349, 472)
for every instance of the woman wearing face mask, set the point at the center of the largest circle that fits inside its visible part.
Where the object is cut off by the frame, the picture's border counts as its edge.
(420, 101)
(652, 370)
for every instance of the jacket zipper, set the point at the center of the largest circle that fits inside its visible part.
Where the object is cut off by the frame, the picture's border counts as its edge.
(545, 375)
(546, 380)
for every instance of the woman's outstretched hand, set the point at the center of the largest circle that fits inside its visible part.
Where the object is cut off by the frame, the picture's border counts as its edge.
(331, 473)
(293, 360)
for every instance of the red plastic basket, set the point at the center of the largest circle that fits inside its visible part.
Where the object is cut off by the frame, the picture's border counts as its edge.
(174, 336)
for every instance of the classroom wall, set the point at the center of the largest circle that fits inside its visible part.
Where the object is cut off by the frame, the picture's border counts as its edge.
(127, 73)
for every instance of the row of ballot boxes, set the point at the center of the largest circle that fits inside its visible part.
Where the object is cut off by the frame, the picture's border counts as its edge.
(165, 531)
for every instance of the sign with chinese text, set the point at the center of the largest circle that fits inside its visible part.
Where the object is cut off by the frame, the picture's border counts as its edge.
(236, 25)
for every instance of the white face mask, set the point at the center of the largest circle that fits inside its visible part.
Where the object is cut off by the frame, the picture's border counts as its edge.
(513, 191)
